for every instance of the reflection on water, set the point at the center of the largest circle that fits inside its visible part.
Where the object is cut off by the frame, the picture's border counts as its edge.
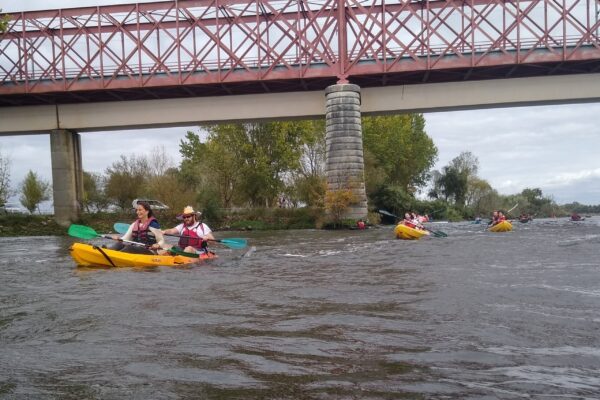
(312, 314)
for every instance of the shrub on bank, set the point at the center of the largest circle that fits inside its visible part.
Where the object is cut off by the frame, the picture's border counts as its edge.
(29, 225)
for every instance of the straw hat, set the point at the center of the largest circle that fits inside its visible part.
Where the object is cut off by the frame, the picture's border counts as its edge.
(189, 210)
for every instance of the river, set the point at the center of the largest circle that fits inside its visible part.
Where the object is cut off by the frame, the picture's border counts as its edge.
(312, 314)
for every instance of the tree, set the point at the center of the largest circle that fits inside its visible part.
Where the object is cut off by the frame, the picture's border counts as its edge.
(398, 147)
(309, 183)
(213, 169)
(245, 163)
(453, 185)
(33, 191)
(4, 20)
(126, 180)
(94, 198)
(453, 181)
(337, 203)
(480, 196)
(5, 191)
(466, 163)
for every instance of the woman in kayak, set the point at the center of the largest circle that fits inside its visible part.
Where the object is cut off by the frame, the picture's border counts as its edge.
(145, 230)
(193, 233)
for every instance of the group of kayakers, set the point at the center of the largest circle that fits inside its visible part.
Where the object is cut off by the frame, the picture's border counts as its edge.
(192, 232)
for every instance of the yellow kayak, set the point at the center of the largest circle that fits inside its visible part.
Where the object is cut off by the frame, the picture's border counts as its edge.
(503, 226)
(86, 255)
(407, 233)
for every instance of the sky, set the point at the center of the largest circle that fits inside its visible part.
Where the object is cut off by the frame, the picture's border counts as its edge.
(554, 148)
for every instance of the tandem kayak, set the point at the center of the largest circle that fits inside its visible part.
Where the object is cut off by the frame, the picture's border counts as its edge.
(86, 255)
(407, 233)
(503, 226)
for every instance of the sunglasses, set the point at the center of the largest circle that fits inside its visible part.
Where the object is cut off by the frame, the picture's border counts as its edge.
(187, 216)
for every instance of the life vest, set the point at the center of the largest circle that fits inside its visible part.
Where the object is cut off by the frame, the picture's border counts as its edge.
(141, 232)
(190, 237)
(410, 224)
(360, 224)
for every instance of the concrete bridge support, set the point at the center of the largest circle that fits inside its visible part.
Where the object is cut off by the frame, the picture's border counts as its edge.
(344, 146)
(67, 175)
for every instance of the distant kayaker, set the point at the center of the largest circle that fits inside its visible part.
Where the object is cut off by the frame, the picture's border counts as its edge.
(360, 224)
(145, 229)
(192, 231)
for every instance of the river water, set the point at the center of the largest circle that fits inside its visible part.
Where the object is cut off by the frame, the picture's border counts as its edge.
(312, 315)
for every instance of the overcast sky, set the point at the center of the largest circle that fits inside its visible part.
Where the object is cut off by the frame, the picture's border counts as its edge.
(554, 148)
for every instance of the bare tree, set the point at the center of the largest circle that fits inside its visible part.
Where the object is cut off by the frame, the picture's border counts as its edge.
(159, 162)
(5, 191)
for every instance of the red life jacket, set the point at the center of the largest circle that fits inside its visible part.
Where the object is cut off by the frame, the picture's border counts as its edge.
(410, 224)
(141, 232)
(361, 224)
(190, 237)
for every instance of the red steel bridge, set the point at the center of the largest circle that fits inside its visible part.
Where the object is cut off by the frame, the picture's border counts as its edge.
(190, 48)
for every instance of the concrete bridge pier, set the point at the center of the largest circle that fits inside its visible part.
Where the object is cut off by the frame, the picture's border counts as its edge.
(67, 175)
(344, 146)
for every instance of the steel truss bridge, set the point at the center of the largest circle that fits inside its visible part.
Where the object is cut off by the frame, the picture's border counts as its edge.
(197, 48)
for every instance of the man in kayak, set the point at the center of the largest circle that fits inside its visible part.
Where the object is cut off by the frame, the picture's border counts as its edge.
(193, 234)
(145, 230)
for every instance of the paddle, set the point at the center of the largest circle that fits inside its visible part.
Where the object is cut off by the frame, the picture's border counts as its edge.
(178, 251)
(435, 233)
(232, 243)
(87, 233)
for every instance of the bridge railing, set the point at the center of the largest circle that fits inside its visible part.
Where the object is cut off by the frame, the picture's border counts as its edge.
(206, 42)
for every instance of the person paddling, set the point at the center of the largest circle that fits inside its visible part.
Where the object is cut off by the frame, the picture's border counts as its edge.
(410, 220)
(497, 217)
(193, 232)
(145, 230)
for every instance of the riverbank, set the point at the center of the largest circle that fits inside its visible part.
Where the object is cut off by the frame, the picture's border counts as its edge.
(238, 220)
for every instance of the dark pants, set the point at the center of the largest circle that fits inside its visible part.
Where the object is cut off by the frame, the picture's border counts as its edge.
(126, 248)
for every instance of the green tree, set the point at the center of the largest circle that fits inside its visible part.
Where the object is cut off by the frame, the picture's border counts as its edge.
(126, 180)
(536, 202)
(4, 20)
(5, 191)
(213, 168)
(479, 195)
(33, 191)
(452, 183)
(245, 163)
(94, 198)
(398, 147)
